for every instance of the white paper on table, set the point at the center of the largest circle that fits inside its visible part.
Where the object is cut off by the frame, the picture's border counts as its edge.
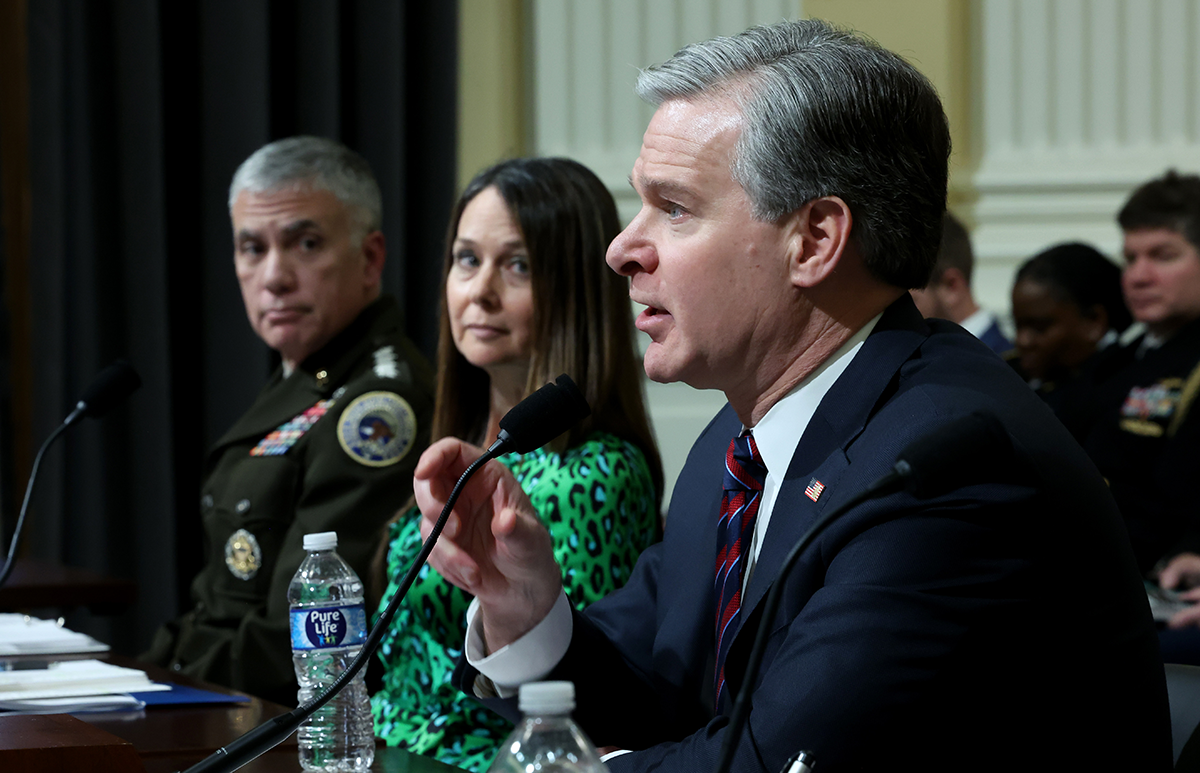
(24, 635)
(77, 705)
(73, 678)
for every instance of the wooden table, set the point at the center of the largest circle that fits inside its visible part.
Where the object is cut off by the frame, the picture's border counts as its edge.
(37, 584)
(172, 738)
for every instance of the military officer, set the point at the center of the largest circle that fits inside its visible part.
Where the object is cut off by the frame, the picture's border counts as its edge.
(331, 441)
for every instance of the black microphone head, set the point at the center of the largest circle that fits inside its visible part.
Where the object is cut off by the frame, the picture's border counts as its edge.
(970, 449)
(109, 387)
(543, 416)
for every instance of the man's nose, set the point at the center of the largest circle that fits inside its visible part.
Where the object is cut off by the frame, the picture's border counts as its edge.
(631, 252)
(279, 275)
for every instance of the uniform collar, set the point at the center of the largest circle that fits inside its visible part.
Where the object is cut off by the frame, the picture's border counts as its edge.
(329, 366)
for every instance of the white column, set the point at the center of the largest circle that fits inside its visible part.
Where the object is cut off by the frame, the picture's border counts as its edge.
(1079, 101)
(585, 58)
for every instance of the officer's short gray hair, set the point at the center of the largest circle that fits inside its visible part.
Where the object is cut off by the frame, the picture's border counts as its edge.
(318, 163)
(828, 113)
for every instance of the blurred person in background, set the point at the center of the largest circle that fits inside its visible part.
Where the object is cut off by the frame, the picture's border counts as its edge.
(1068, 308)
(948, 294)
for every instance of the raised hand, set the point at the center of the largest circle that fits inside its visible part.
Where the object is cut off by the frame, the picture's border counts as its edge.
(493, 546)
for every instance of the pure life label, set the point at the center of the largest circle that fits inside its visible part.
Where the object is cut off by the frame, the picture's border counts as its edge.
(323, 628)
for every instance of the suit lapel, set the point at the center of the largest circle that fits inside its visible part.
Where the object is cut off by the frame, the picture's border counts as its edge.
(821, 453)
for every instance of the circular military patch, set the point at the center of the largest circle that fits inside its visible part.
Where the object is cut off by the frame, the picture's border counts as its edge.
(377, 428)
(243, 556)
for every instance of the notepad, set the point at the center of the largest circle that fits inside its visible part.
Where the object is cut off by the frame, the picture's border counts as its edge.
(74, 678)
(83, 704)
(24, 635)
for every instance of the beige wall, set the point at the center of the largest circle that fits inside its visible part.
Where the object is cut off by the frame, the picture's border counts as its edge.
(492, 93)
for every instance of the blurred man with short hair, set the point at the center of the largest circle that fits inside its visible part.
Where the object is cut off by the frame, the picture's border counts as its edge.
(948, 294)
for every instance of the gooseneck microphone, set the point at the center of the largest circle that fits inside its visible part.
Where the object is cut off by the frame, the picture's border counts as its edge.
(536, 420)
(541, 417)
(970, 449)
(108, 388)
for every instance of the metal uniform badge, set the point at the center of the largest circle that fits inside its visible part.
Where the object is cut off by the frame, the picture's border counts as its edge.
(377, 429)
(243, 556)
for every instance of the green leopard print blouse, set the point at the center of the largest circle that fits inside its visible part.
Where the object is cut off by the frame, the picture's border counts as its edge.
(598, 501)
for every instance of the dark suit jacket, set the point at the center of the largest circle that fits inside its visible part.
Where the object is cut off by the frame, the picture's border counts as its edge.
(1002, 625)
(996, 340)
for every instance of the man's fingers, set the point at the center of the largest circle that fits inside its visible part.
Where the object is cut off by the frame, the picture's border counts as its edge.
(448, 456)
(1183, 569)
(455, 564)
(1186, 618)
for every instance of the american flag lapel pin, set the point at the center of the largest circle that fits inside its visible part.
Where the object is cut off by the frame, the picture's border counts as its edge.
(814, 489)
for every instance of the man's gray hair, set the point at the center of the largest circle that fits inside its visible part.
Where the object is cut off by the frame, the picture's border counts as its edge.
(317, 163)
(828, 113)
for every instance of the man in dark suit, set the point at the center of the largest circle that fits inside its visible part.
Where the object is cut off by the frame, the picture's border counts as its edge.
(793, 180)
(948, 294)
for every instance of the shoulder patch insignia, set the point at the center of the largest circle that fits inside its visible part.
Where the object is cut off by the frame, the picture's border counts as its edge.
(280, 440)
(243, 556)
(377, 428)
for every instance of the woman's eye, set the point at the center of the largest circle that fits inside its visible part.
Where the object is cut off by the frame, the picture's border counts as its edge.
(519, 265)
(465, 259)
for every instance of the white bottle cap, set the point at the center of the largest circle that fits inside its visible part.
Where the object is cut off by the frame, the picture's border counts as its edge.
(323, 540)
(547, 698)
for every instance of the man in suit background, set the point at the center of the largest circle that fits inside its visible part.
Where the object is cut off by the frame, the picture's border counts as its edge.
(331, 441)
(948, 294)
(793, 180)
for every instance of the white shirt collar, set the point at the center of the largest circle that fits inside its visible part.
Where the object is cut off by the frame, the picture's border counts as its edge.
(778, 432)
(978, 323)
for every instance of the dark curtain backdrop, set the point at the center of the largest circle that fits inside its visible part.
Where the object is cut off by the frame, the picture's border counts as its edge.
(140, 110)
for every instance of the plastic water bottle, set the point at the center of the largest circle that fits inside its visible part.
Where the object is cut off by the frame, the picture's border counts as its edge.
(547, 740)
(329, 625)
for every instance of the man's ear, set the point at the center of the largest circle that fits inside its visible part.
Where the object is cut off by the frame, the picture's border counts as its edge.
(374, 250)
(820, 237)
(955, 280)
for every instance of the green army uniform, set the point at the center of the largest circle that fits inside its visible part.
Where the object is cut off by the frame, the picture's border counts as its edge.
(332, 447)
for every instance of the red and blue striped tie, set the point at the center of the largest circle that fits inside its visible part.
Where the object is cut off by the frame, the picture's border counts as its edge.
(744, 477)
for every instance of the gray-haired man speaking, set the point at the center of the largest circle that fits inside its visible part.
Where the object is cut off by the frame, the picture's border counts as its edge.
(330, 443)
(793, 180)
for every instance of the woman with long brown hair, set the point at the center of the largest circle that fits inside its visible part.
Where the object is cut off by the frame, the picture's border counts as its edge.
(526, 296)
